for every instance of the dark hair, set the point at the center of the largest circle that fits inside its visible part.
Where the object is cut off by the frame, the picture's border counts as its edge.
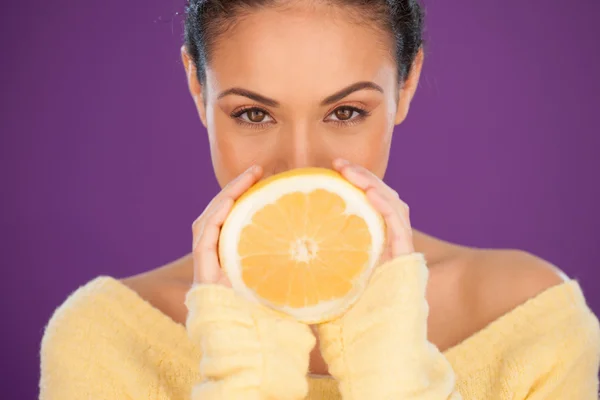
(206, 20)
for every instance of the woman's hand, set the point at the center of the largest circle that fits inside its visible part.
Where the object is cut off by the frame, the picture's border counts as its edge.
(387, 202)
(379, 348)
(248, 350)
(207, 227)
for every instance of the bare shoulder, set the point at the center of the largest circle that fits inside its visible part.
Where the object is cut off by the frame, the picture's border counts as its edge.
(469, 288)
(500, 280)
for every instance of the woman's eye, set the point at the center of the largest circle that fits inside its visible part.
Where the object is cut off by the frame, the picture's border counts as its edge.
(254, 115)
(345, 113)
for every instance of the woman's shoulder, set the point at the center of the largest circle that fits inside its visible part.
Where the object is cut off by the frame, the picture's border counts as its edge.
(524, 311)
(106, 309)
(513, 293)
(86, 334)
(106, 340)
(100, 304)
(470, 288)
(87, 300)
(499, 281)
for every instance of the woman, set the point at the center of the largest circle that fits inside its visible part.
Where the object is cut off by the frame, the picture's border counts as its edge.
(288, 84)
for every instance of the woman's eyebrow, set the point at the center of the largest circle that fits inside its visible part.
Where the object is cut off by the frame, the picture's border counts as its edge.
(350, 89)
(327, 101)
(251, 95)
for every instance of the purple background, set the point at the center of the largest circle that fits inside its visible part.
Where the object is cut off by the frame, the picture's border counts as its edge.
(105, 164)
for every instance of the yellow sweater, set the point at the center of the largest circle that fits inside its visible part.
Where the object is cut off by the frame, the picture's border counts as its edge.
(105, 342)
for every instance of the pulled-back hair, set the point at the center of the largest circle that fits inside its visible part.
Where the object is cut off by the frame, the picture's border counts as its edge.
(207, 20)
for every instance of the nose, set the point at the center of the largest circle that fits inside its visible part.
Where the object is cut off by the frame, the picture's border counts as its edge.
(301, 153)
(300, 147)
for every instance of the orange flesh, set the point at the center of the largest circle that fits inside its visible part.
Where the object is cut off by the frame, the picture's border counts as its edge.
(303, 250)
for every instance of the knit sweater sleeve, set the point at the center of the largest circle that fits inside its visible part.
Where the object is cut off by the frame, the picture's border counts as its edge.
(248, 351)
(379, 348)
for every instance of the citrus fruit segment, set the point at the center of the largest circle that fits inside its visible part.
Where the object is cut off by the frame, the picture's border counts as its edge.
(303, 242)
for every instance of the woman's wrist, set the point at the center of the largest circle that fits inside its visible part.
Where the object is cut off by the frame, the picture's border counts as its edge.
(376, 347)
(246, 344)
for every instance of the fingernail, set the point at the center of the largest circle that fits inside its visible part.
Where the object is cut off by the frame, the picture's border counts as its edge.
(342, 162)
(353, 168)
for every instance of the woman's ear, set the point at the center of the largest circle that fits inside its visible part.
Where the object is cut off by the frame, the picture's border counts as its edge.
(194, 86)
(408, 88)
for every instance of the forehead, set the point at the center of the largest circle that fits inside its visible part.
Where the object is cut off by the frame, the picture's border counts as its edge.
(300, 49)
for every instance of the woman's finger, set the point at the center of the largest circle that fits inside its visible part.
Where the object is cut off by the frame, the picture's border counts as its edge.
(243, 182)
(206, 229)
(386, 201)
(233, 190)
(364, 179)
(206, 260)
(353, 174)
(399, 234)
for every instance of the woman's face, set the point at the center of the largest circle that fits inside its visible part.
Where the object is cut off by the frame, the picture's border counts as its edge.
(297, 88)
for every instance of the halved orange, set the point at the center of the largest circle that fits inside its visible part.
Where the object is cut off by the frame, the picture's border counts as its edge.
(303, 242)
